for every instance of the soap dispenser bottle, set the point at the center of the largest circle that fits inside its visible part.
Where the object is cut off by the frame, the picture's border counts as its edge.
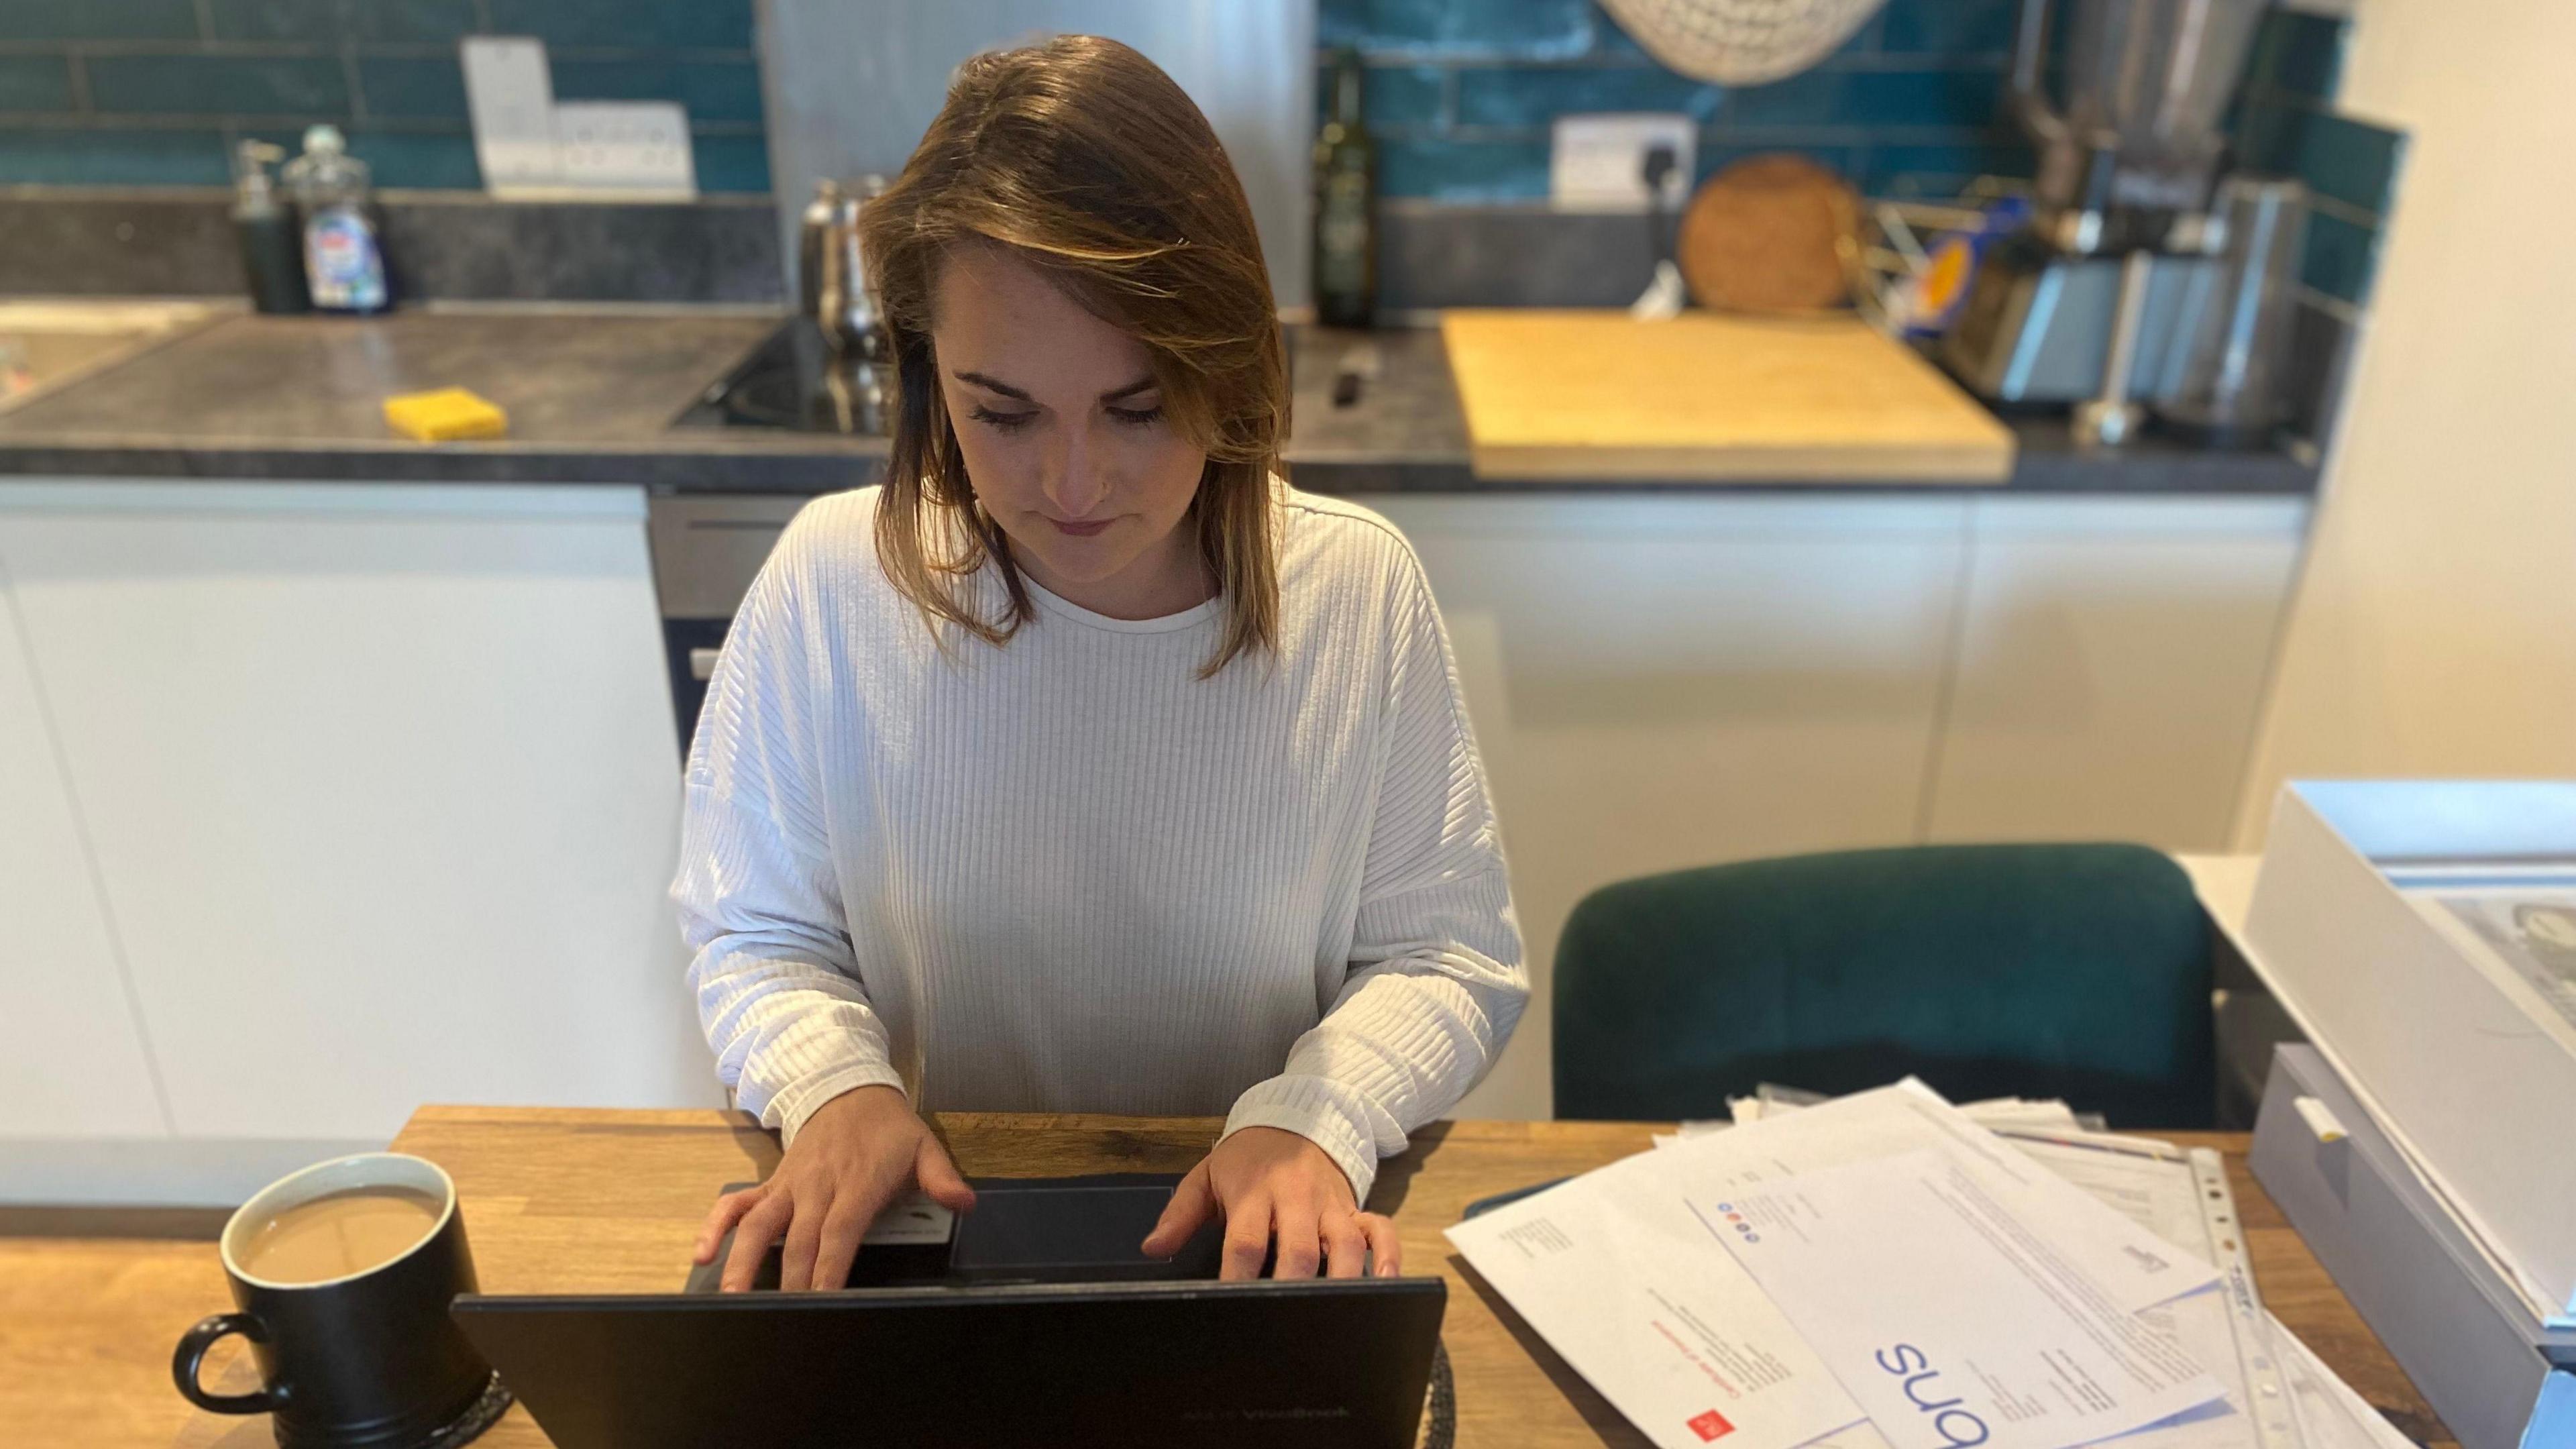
(344, 259)
(272, 253)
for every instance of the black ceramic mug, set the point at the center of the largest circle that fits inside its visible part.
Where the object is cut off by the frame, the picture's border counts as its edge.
(369, 1360)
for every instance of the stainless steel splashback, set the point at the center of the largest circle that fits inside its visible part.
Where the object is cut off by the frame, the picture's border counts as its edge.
(851, 84)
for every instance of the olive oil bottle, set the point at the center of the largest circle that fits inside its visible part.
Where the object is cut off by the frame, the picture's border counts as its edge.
(1345, 258)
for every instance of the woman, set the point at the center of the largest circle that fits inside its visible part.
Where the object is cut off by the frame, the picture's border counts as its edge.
(1085, 766)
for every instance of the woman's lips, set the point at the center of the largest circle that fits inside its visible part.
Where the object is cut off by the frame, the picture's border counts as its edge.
(1082, 530)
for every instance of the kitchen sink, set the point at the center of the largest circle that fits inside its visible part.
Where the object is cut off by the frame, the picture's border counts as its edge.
(44, 344)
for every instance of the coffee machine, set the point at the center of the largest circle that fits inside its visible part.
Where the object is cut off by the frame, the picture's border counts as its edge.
(2097, 301)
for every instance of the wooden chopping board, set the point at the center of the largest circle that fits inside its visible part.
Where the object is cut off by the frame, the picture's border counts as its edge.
(1557, 395)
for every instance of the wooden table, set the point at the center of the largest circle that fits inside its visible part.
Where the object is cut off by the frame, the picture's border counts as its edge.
(563, 1201)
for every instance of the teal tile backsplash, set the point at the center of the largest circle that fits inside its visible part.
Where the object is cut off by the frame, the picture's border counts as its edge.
(2341, 159)
(2284, 124)
(155, 92)
(272, 19)
(1399, 95)
(2339, 257)
(213, 85)
(2296, 53)
(112, 158)
(686, 24)
(433, 22)
(1517, 29)
(1945, 27)
(719, 90)
(34, 83)
(99, 19)
(1461, 94)
(1533, 97)
(426, 87)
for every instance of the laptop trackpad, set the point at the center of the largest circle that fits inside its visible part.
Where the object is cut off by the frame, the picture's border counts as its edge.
(1074, 1230)
(1023, 1230)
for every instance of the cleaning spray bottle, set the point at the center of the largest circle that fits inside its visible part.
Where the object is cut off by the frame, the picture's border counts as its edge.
(344, 259)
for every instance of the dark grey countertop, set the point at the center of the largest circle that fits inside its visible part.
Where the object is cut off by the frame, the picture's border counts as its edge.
(591, 394)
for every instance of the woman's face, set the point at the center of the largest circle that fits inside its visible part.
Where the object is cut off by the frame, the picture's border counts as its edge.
(1064, 435)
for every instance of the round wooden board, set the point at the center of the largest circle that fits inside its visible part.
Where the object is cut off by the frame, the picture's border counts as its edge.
(1770, 233)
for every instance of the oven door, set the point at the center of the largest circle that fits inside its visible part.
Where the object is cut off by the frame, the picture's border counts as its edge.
(706, 550)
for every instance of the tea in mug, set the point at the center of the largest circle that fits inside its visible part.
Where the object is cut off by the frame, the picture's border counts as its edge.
(339, 1234)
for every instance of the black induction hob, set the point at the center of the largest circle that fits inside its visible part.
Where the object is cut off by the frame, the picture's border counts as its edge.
(795, 382)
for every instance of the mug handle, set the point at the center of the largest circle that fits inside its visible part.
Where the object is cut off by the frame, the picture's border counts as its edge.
(191, 1358)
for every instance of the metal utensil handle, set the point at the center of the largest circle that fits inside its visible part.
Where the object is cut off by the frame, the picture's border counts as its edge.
(2029, 100)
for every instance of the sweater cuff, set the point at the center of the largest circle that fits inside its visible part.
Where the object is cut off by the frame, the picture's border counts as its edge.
(800, 1099)
(1311, 1108)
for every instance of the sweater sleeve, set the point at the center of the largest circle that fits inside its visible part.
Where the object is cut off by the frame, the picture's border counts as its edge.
(1436, 982)
(776, 981)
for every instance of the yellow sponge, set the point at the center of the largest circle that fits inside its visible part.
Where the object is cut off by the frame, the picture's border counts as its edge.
(446, 415)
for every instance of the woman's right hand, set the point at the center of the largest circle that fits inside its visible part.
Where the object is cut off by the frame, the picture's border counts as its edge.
(856, 1154)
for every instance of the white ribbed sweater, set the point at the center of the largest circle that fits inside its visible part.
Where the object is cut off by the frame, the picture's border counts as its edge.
(1068, 875)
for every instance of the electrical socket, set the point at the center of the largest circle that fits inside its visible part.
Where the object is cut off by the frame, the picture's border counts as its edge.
(1597, 162)
(626, 146)
(511, 97)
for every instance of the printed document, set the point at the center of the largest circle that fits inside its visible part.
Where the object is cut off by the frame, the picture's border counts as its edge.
(1950, 1321)
(1618, 1275)
(2135, 1268)
(2152, 1185)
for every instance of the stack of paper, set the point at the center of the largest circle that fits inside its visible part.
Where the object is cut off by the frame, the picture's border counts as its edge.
(1883, 1270)
(2000, 1114)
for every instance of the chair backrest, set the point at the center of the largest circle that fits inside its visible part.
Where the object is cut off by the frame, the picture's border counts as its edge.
(2074, 971)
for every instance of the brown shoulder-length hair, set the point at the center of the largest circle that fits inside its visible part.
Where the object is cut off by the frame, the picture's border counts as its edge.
(1087, 161)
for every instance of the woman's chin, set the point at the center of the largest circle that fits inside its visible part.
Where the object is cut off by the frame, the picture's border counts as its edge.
(1074, 560)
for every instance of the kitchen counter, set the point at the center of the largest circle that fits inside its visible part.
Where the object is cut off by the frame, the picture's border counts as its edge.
(591, 392)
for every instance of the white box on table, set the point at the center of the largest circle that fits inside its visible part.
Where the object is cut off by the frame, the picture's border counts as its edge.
(2469, 1071)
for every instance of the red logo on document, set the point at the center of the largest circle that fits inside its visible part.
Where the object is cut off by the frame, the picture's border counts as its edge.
(1711, 1425)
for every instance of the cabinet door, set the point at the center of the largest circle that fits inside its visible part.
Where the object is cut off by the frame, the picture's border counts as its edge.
(1665, 682)
(2111, 667)
(381, 788)
(72, 1061)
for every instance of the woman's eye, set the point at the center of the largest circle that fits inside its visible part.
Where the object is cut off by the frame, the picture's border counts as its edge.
(1007, 422)
(1138, 417)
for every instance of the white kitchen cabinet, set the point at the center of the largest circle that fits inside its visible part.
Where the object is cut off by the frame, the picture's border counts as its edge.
(1660, 682)
(72, 1061)
(2110, 667)
(378, 780)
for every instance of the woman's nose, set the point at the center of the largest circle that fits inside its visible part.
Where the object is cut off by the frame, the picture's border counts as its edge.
(1077, 481)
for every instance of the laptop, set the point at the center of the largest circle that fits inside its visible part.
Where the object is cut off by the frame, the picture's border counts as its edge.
(1033, 1320)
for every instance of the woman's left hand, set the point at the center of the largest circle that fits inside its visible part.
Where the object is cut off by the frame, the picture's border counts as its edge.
(1273, 1185)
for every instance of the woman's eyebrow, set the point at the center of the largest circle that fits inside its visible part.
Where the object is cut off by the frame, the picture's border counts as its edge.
(992, 385)
(1142, 384)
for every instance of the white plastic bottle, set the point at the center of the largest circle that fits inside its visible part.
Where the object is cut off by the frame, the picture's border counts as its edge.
(344, 260)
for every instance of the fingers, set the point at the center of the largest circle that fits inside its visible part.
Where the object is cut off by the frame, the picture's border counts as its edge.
(1300, 1247)
(833, 1231)
(1345, 1245)
(1247, 1240)
(1386, 1250)
(843, 1228)
(804, 1240)
(1192, 1203)
(727, 1211)
(937, 1174)
(751, 1239)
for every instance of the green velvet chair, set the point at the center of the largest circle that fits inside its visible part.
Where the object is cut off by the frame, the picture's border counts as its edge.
(2074, 971)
